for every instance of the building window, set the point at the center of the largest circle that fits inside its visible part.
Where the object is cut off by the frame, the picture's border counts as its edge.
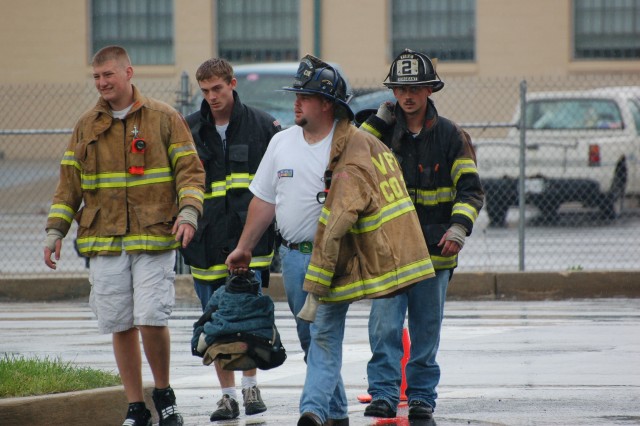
(258, 30)
(143, 27)
(443, 29)
(606, 29)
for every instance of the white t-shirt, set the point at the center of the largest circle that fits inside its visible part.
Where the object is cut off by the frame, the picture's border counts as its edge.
(222, 131)
(290, 176)
(122, 113)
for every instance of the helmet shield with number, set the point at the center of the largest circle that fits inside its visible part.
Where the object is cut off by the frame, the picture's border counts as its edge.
(413, 69)
(315, 76)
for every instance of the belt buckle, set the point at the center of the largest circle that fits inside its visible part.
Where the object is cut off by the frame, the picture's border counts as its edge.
(305, 247)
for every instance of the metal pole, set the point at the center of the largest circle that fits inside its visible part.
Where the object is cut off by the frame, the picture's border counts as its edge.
(185, 95)
(184, 103)
(317, 29)
(523, 157)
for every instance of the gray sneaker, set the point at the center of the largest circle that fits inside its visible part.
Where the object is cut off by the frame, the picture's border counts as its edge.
(252, 401)
(227, 409)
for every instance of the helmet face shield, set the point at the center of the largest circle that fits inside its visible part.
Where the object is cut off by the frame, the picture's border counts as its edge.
(317, 77)
(413, 69)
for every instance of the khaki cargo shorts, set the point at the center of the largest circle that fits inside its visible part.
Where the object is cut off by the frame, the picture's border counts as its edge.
(132, 290)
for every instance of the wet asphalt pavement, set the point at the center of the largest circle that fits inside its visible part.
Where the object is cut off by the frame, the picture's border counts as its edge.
(574, 362)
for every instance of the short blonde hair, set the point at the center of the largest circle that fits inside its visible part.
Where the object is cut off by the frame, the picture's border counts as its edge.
(111, 53)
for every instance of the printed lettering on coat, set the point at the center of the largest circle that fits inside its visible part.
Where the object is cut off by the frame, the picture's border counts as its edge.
(392, 189)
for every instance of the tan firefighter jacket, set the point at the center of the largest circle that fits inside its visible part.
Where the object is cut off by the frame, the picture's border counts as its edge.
(126, 196)
(368, 243)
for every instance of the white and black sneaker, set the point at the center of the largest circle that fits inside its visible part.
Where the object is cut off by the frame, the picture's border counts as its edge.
(137, 415)
(165, 402)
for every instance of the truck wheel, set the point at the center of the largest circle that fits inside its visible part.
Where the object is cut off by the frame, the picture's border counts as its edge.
(613, 202)
(549, 210)
(499, 196)
(497, 211)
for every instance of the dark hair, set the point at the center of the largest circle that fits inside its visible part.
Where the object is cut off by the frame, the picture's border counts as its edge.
(215, 67)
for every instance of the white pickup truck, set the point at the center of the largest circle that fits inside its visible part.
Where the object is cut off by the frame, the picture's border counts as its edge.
(581, 146)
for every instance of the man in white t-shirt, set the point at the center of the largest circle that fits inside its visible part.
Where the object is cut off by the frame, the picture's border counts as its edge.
(289, 185)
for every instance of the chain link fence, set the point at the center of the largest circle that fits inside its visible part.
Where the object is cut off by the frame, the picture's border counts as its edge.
(561, 184)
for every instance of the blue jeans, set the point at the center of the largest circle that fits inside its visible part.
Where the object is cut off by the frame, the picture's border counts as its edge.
(425, 303)
(323, 393)
(205, 291)
(294, 267)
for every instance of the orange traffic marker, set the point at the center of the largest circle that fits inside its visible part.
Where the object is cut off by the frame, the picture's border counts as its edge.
(406, 347)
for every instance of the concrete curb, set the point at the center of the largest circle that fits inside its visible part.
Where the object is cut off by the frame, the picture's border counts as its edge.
(463, 286)
(104, 407)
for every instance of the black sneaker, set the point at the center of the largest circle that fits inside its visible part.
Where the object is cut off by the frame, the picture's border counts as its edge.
(138, 415)
(252, 401)
(380, 408)
(227, 409)
(165, 402)
(420, 410)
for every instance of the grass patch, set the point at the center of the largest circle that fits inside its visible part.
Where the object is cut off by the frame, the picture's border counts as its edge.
(20, 376)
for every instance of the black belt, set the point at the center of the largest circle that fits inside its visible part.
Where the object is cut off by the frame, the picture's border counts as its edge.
(303, 247)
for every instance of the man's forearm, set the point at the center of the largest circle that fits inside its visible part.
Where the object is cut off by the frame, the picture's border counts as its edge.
(259, 217)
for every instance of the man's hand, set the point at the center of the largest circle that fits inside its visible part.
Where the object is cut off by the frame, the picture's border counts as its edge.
(52, 245)
(385, 113)
(186, 225)
(238, 261)
(453, 240)
(184, 232)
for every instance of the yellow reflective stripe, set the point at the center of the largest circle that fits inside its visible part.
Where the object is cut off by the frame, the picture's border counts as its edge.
(432, 197)
(444, 262)
(462, 166)
(217, 272)
(324, 215)
(123, 179)
(177, 151)
(261, 261)
(69, 159)
(61, 211)
(370, 129)
(218, 189)
(239, 180)
(371, 223)
(103, 180)
(213, 273)
(466, 210)
(233, 181)
(150, 242)
(130, 242)
(358, 289)
(318, 275)
(386, 213)
(95, 244)
(151, 176)
(191, 191)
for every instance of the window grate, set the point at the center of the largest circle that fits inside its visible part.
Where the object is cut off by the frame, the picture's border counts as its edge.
(606, 29)
(144, 27)
(442, 29)
(258, 30)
